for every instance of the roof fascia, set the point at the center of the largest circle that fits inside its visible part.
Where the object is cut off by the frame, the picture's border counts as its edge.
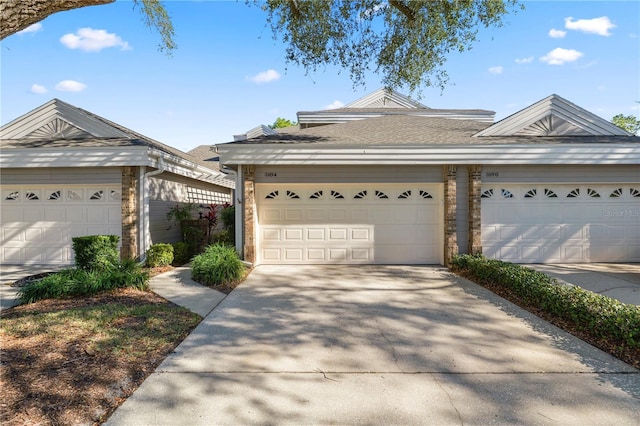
(453, 154)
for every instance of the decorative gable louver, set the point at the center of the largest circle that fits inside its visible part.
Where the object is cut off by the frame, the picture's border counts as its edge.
(59, 119)
(384, 98)
(553, 116)
(58, 129)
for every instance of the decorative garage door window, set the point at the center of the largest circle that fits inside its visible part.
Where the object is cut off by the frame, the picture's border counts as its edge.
(586, 192)
(556, 223)
(337, 195)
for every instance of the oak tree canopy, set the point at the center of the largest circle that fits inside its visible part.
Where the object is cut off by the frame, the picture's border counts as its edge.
(405, 41)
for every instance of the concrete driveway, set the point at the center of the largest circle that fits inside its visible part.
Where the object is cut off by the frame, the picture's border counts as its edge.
(619, 281)
(379, 345)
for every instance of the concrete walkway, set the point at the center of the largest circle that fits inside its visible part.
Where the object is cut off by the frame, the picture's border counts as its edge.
(379, 345)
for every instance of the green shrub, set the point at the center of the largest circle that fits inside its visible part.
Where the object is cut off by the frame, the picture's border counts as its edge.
(228, 216)
(181, 253)
(82, 282)
(96, 252)
(218, 265)
(603, 317)
(223, 237)
(159, 255)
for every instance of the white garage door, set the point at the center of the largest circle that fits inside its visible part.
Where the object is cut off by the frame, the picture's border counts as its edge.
(349, 223)
(38, 222)
(561, 223)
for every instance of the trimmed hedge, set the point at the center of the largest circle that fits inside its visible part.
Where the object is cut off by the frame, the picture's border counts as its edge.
(96, 252)
(81, 282)
(159, 255)
(181, 253)
(218, 265)
(601, 316)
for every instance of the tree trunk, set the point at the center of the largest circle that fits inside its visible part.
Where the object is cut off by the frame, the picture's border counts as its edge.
(16, 15)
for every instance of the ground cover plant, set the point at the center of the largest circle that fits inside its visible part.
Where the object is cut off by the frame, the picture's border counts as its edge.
(599, 320)
(76, 282)
(74, 360)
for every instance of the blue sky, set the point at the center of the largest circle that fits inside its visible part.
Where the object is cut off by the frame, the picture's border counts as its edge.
(228, 75)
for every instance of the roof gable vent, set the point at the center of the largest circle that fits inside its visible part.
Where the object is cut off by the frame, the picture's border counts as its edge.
(553, 116)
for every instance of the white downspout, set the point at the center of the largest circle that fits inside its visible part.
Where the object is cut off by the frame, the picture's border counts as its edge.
(239, 203)
(145, 238)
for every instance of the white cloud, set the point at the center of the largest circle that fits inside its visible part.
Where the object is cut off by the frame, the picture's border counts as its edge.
(334, 105)
(38, 89)
(33, 28)
(553, 33)
(496, 70)
(600, 26)
(560, 56)
(90, 40)
(526, 60)
(70, 86)
(265, 77)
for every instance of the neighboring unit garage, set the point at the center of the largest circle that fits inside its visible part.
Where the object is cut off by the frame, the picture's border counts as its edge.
(373, 223)
(561, 223)
(38, 222)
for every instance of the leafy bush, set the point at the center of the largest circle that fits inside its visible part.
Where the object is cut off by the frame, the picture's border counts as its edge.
(228, 216)
(218, 265)
(223, 237)
(82, 282)
(96, 252)
(601, 316)
(181, 253)
(159, 255)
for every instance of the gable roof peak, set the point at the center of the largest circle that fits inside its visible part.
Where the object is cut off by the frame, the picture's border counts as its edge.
(61, 120)
(384, 98)
(553, 116)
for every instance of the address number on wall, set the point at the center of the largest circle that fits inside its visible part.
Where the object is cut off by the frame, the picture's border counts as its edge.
(270, 174)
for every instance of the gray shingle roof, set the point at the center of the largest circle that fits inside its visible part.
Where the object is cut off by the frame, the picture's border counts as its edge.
(404, 130)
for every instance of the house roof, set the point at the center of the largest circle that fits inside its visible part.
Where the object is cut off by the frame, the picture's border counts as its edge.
(59, 125)
(403, 130)
(580, 138)
(206, 154)
(386, 102)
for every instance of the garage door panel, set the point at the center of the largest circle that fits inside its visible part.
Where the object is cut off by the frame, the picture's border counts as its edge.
(316, 254)
(316, 215)
(316, 234)
(349, 223)
(338, 234)
(293, 234)
(34, 234)
(293, 254)
(561, 222)
(361, 234)
(38, 223)
(530, 252)
(55, 214)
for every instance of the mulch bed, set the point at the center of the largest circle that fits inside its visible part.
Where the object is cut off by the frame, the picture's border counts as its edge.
(48, 381)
